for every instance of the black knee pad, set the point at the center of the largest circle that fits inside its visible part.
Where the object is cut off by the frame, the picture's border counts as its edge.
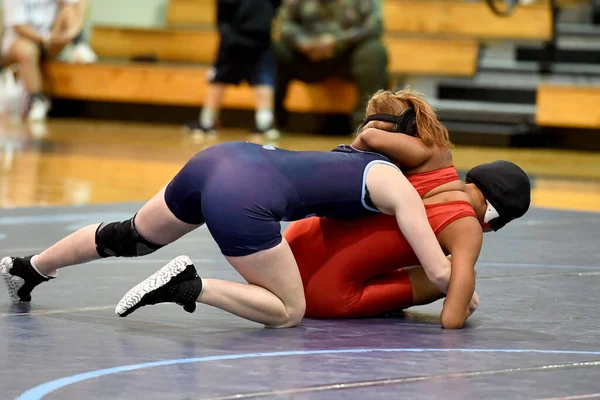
(121, 239)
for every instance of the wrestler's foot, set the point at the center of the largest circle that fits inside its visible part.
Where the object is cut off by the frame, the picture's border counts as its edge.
(195, 127)
(20, 278)
(177, 282)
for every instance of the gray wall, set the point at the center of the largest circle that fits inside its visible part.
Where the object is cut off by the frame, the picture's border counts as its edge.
(129, 12)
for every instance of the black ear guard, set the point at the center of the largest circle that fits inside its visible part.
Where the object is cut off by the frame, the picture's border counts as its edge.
(405, 123)
(505, 186)
(498, 223)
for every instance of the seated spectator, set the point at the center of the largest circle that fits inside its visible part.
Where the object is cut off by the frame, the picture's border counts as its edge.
(35, 30)
(244, 55)
(331, 38)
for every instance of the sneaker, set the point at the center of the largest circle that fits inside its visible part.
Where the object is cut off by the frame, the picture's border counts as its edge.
(196, 127)
(83, 54)
(269, 134)
(38, 110)
(177, 282)
(20, 278)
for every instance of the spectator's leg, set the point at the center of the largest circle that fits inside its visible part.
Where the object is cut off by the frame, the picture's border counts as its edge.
(264, 107)
(27, 54)
(285, 72)
(78, 39)
(368, 68)
(263, 81)
(64, 25)
(82, 52)
(211, 107)
(224, 71)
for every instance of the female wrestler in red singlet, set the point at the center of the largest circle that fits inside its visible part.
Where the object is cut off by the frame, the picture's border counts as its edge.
(359, 268)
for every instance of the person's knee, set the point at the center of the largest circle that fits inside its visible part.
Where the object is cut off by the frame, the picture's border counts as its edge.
(122, 239)
(372, 49)
(25, 52)
(292, 316)
(369, 56)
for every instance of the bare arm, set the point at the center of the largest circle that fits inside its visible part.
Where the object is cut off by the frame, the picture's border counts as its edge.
(403, 150)
(463, 238)
(393, 194)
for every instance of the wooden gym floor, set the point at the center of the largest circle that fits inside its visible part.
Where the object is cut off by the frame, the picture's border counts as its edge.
(533, 337)
(77, 162)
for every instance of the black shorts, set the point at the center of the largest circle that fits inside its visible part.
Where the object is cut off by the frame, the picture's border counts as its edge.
(236, 64)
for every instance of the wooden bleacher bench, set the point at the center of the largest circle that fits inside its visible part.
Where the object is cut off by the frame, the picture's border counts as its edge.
(428, 17)
(185, 84)
(568, 106)
(199, 45)
(424, 37)
(465, 19)
(407, 55)
(175, 84)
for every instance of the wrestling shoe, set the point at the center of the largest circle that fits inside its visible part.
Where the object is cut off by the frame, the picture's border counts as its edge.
(195, 127)
(20, 278)
(177, 282)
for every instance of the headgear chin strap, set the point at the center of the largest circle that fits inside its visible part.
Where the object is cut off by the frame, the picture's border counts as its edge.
(491, 213)
(405, 123)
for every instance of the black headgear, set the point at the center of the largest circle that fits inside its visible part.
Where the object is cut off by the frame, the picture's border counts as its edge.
(405, 123)
(505, 186)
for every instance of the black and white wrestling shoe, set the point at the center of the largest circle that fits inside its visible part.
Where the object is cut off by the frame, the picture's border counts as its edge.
(177, 282)
(20, 278)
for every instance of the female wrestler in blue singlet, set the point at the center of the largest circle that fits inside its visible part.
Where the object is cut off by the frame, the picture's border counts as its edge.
(242, 191)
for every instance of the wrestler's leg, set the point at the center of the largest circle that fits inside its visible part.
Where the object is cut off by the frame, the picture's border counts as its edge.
(424, 292)
(398, 290)
(154, 222)
(273, 295)
(153, 227)
(384, 293)
(250, 239)
(333, 293)
(174, 211)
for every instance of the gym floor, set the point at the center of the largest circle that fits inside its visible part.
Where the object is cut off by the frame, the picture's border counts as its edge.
(535, 335)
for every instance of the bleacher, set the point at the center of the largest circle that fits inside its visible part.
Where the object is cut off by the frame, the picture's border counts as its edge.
(451, 43)
(568, 106)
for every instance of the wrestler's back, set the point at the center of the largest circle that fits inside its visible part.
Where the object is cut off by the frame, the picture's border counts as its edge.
(375, 242)
(291, 184)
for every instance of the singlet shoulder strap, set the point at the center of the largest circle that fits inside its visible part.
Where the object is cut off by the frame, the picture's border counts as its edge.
(347, 148)
(366, 197)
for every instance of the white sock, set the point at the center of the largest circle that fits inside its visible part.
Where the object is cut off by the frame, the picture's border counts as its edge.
(264, 119)
(53, 275)
(208, 117)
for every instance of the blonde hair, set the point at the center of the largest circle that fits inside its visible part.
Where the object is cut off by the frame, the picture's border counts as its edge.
(429, 129)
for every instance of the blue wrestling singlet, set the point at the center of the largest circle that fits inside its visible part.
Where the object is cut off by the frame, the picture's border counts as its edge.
(243, 190)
